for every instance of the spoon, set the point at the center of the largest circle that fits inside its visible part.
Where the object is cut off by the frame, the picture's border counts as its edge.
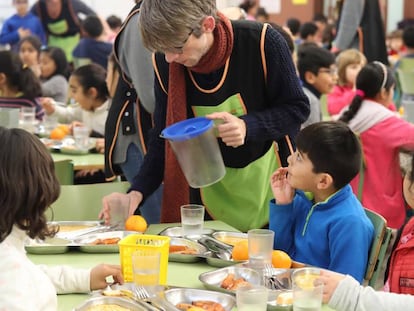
(219, 249)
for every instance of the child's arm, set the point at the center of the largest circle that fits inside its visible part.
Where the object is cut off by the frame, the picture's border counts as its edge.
(281, 189)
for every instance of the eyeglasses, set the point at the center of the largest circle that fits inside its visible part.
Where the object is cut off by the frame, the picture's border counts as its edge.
(331, 71)
(179, 49)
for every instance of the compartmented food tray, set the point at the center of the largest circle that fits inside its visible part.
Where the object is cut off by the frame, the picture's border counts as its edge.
(184, 250)
(176, 232)
(48, 246)
(102, 242)
(214, 279)
(124, 304)
(188, 296)
(230, 238)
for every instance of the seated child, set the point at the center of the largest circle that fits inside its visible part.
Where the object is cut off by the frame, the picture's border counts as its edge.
(28, 186)
(315, 215)
(317, 72)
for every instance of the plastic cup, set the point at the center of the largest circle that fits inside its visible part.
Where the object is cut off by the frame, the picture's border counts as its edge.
(192, 219)
(81, 136)
(146, 268)
(252, 297)
(28, 118)
(260, 247)
(118, 211)
(307, 292)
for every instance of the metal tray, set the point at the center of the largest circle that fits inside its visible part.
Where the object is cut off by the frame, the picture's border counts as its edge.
(201, 251)
(74, 229)
(228, 237)
(96, 301)
(188, 295)
(84, 242)
(176, 232)
(212, 280)
(48, 246)
(221, 263)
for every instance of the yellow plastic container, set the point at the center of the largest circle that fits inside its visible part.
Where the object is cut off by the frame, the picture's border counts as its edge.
(143, 242)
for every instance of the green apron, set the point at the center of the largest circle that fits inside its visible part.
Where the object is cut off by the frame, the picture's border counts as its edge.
(66, 43)
(241, 198)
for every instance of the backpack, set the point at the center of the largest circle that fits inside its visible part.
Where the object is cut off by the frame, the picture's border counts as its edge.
(401, 268)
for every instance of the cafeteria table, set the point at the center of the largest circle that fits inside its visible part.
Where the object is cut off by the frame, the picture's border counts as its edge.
(179, 274)
(82, 161)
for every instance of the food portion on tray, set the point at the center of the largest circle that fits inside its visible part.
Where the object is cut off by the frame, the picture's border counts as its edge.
(68, 145)
(184, 250)
(87, 236)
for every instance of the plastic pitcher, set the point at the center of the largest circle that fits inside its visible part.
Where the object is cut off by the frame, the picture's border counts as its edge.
(196, 148)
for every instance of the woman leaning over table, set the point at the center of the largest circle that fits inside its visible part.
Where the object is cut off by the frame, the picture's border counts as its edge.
(28, 186)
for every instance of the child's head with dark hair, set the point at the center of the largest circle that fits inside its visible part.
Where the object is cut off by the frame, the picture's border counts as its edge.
(18, 76)
(294, 25)
(316, 67)
(308, 30)
(262, 16)
(92, 26)
(88, 86)
(28, 184)
(376, 82)
(53, 62)
(114, 22)
(29, 50)
(332, 148)
(408, 36)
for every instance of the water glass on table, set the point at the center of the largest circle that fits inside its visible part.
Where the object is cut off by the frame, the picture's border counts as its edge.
(192, 220)
(307, 291)
(260, 244)
(252, 297)
(118, 211)
(28, 118)
(146, 268)
(81, 136)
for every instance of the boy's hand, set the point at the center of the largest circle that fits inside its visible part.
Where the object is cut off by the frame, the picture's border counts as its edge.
(100, 272)
(282, 191)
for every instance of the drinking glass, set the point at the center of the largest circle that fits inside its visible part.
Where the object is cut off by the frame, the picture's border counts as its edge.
(81, 136)
(260, 243)
(118, 211)
(252, 297)
(28, 118)
(192, 219)
(146, 267)
(307, 291)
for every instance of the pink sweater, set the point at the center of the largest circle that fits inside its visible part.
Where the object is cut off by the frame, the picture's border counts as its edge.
(339, 98)
(382, 191)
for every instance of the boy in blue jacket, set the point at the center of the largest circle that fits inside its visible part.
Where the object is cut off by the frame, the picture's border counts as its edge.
(315, 215)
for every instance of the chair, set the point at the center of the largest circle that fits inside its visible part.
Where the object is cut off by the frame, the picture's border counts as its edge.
(406, 80)
(378, 247)
(82, 202)
(64, 172)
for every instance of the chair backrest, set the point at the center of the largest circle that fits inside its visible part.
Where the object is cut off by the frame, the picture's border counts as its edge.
(379, 246)
(64, 172)
(406, 80)
(82, 202)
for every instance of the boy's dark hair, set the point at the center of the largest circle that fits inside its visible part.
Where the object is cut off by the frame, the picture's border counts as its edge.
(28, 184)
(370, 80)
(19, 76)
(92, 26)
(308, 29)
(93, 75)
(294, 25)
(114, 21)
(261, 11)
(332, 148)
(59, 57)
(320, 17)
(312, 58)
(408, 36)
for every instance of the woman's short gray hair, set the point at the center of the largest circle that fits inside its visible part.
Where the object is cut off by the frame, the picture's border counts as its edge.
(166, 24)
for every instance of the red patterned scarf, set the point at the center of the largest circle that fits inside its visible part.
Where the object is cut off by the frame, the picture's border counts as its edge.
(176, 188)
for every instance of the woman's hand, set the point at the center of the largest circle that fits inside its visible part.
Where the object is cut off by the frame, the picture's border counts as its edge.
(232, 130)
(134, 198)
(281, 189)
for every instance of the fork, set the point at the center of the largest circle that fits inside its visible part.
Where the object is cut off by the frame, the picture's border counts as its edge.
(141, 292)
(271, 281)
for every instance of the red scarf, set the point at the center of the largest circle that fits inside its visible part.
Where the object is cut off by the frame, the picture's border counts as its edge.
(176, 188)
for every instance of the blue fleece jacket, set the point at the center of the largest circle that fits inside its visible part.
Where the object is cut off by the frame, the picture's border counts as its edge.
(9, 32)
(334, 234)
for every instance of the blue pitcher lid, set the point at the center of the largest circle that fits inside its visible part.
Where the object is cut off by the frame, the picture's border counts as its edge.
(187, 129)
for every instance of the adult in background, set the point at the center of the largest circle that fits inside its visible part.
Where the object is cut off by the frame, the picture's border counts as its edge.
(61, 21)
(239, 72)
(361, 27)
(130, 114)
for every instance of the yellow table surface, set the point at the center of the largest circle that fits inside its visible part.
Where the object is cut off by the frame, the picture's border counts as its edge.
(179, 274)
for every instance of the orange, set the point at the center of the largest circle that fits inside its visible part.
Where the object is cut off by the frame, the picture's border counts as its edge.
(65, 128)
(57, 133)
(240, 251)
(281, 260)
(136, 223)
